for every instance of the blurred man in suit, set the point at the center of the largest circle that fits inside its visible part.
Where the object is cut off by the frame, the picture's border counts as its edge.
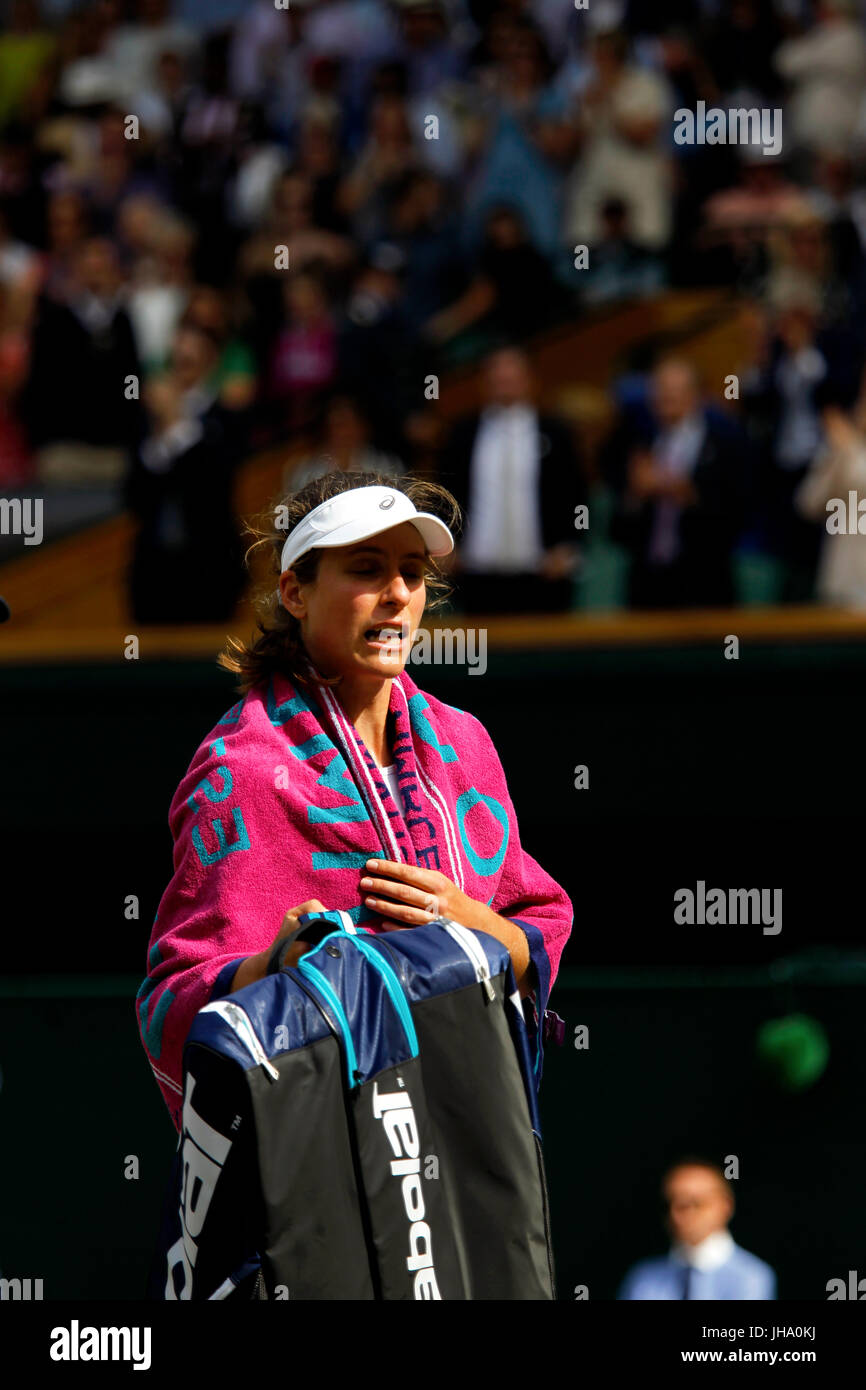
(704, 1262)
(187, 557)
(516, 476)
(82, 360)
(682, 498)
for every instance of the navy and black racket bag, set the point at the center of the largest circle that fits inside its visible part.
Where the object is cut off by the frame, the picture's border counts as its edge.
(361, 1126)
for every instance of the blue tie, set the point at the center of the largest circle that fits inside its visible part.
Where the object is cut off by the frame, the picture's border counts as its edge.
(687, 1282)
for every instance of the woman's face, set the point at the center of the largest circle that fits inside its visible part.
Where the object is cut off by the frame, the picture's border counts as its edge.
(373, 583)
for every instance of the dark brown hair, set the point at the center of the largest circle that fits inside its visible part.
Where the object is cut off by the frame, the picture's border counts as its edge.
(279, 646)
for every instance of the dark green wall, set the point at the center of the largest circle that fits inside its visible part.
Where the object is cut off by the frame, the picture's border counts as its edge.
(744, 773)
(667, 1070)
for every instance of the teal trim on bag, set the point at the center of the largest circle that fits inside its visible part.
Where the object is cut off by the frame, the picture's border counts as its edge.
(394, 988)
(318, 979)
(392, 982)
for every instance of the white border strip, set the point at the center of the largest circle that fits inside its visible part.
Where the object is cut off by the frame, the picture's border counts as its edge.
(437, 800)
(166, 1080)
(339, 720)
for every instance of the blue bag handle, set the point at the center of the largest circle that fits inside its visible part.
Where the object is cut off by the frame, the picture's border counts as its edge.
(389, 977)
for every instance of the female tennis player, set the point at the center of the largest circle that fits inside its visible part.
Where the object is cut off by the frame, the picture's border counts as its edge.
(335, 782)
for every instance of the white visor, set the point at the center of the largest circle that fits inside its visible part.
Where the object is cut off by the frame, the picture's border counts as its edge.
(358, 513)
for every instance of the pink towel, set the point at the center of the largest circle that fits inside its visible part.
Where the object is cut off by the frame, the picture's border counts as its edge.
(283, 802)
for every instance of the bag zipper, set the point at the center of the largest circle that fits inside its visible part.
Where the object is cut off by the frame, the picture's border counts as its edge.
(239, 1022)
(474, 950)
(318, 980)
(394, 988)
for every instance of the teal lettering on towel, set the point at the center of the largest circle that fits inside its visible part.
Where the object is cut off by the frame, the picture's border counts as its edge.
(484, 867)
(310, 747)
(360, 914)
(281, 714)
(213, 793)
(343, 859)
(224, 847)
(209, 790)
(152, 1032)
(421, 724)
(232, 715)
(336, 778)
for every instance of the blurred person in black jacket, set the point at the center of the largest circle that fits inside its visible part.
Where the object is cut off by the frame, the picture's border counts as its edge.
(83, 353)
(516, 475)
(512, 290)
(682, 483)
(187, 557)
(380, 354)
(803, 366)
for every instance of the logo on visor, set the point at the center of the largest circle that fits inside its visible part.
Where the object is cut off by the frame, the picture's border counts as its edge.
(387, 502)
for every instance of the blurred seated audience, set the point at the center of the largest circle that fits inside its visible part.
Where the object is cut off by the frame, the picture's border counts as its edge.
(303, 359)
(389, 152)
(627, 159)
(286, 193)
(528, 137)
(382, 359)
(824, 68)
(423, 227)
(618, 268)
(291, 221)
(737, 220)
(344, 444)
(16, 307)
(513, 292)
(27, 46)
(159, 278)
(235, 372)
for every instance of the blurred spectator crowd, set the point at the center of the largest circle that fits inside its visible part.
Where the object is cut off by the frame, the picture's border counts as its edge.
(226, 227)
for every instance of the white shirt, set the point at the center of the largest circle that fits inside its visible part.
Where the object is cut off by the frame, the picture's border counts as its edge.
(390, 776)
(679, 445)
(800, 430)
(503, 528)
(676, 451)
(709, 1253)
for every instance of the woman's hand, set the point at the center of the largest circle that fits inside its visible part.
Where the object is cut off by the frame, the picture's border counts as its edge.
(406, 895)
(256, 967)
(411, 895)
